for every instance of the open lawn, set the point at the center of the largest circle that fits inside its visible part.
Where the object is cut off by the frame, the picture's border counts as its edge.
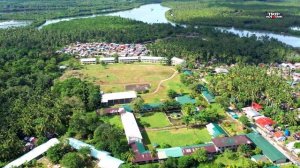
(154, 120)
(113, 120)
(174, 84)
(178, 137)
(114, 77)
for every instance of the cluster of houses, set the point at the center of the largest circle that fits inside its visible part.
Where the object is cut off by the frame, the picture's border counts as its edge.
(265, 123)
(133, 59)
(105, 49)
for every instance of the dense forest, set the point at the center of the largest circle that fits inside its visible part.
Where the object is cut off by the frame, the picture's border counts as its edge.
(246, 84)
(242, 14)
(44, 9)
(207, 44)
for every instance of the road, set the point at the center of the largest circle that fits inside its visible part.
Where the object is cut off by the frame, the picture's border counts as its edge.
(281, 148)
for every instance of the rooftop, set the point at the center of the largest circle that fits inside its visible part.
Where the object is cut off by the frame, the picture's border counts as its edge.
(264, 121)
(33, 153)
(215, 130)
(268, 150)
(118, 95)
(185, 100)
(231, 141)
(130, 126)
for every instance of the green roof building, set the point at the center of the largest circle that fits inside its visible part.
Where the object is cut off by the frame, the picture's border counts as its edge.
(185, 100)
(169, 152)
(215, 130)
(209, 97)
(274, 155)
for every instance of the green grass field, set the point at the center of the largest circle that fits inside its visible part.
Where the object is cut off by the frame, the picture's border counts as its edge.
(155, 120)
(114, 77)
(113, 120)
(178, 137)
(161, 95)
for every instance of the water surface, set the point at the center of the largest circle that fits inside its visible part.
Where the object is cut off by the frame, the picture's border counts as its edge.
(14, 23)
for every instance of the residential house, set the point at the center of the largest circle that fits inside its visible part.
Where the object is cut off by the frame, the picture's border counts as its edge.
(250, 112)
(279, 136)
(291, 147)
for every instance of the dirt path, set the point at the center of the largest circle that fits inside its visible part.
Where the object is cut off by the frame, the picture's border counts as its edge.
(162, 81)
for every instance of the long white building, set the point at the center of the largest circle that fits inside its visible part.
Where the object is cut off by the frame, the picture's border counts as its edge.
(118, 97)
(129, 59)
(36, 152)
(107, 60)
(131, 128)
(88, 60)
(150, 59)
(105, 160)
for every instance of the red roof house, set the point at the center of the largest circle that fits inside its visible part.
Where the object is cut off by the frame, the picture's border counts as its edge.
(264, 121)
(256, 106)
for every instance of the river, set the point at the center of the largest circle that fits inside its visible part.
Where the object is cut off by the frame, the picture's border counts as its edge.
(155, 13)
(14, 23)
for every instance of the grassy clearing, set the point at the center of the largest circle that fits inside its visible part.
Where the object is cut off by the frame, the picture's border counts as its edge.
(114, 77)
(113, 120)
(178, 137)
(155, 120)
(174, 84)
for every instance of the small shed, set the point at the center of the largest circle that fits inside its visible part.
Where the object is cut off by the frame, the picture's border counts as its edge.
(259, 158)
(185, 100)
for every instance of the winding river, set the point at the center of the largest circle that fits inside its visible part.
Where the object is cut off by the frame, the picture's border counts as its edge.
(155, 13)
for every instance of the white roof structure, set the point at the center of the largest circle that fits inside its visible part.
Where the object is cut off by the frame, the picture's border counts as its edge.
(131, 128)
(33, 153)
(250, 112)
(110, 162)
(105, 160)
(118, 96)
(177, 61)
(291, 147)
(107, 59)
(88, 60)
(152, 58)
(221, 70)
(128, 58)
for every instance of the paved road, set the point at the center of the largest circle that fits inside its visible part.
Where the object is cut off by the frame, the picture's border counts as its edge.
(281, 148)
